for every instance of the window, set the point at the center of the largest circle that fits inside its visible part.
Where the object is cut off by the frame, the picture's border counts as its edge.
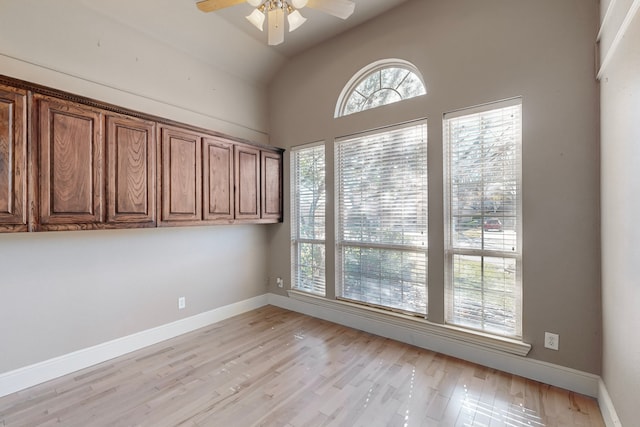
(308, 218)
(483, 244)
(378, 84)
(381, 185)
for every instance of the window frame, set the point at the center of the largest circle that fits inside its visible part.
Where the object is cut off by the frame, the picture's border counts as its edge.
(450, 252)
(341, 243)
(367, 72)
(296, 240)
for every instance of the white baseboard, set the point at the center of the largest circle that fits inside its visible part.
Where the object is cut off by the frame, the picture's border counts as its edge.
(567, 378)
(548, 373)
(606, 407)
(19, 379)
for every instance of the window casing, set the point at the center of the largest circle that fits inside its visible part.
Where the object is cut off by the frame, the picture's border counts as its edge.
(381, 216)
(381, 219)
(380, 83)
(483, 218)
(308, 205)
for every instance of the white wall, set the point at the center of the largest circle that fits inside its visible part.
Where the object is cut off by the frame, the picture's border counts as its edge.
(68, 46)
(64, 291)
(473, 52)
(620, 180)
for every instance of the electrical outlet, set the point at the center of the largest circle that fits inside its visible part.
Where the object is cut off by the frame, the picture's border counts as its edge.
(551, 340)
(280, 282)
(182, 303)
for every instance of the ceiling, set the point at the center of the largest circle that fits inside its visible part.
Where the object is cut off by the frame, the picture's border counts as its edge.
(225, 39)
(319, 26)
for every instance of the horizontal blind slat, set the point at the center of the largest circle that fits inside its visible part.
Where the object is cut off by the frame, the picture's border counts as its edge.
(483, 202)
(381, 184)
(308, 219)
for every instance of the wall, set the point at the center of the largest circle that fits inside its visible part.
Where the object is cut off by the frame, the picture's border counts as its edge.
(620, 180)
(472, 53)
(69, 46)
(64, 291)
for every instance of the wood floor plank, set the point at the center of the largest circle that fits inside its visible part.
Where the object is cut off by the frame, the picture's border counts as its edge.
(275, 368)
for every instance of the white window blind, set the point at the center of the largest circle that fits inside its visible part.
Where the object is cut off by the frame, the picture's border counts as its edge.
(308, 219)
(381, 185)
(483, 237)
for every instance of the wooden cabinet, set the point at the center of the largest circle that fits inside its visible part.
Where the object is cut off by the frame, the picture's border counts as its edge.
(70, 148)
(247, 180)
(13, 159)
(72, 163)
(217, 179)
(271, 187)
(180, 172)
(131, 169)
(76, 191)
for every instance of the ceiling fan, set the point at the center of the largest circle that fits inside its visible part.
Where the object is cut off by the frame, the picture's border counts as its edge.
(275, 10)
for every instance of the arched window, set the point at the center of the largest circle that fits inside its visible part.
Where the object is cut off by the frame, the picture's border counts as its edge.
(380, 83)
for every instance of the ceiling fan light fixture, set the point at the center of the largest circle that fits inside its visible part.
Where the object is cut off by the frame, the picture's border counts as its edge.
(339, 8)
(257, 18)
(276, 26)
(274, 11)
(295, 20)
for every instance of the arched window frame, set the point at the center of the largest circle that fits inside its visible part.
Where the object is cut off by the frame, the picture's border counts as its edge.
(365, 73)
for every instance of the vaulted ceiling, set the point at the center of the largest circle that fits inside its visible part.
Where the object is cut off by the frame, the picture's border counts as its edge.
(225, 39)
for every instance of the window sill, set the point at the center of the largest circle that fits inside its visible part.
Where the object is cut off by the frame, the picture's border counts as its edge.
(422, 326)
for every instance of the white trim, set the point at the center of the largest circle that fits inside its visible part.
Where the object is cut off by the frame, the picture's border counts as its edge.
(441, 339)
(365, 72)
(606, 406)
(418, 324)
(633, 9)
(605, 19)
(307, 145)
(481, 108)
(570, 379)
(374, 131)
(21, 378)
(294, 191)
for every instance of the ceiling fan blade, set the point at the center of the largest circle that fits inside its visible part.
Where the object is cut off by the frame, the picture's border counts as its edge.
(213, 5)
(340, 8)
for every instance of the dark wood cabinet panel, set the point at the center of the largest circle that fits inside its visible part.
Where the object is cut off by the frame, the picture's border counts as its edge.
(271, 190)
(131, 168)
(217, 174)
(247, 181)
(181, 189)
(13, 159)
(71, 163)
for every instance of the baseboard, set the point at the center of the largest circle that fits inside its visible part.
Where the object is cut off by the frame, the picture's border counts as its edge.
(548, 373)
(606, 406)
(19, 379)
(570, 379)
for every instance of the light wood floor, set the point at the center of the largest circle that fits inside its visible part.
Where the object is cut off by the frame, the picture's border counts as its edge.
(272, 367)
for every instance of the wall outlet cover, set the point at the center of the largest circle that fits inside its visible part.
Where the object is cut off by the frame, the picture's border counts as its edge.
(551, 340)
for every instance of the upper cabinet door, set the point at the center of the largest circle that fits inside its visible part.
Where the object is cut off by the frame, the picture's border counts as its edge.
(181, 195)
(271, 185)
(131, 166)
(247, 178)
(217, 175)
(71, 159)
(13, 159)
